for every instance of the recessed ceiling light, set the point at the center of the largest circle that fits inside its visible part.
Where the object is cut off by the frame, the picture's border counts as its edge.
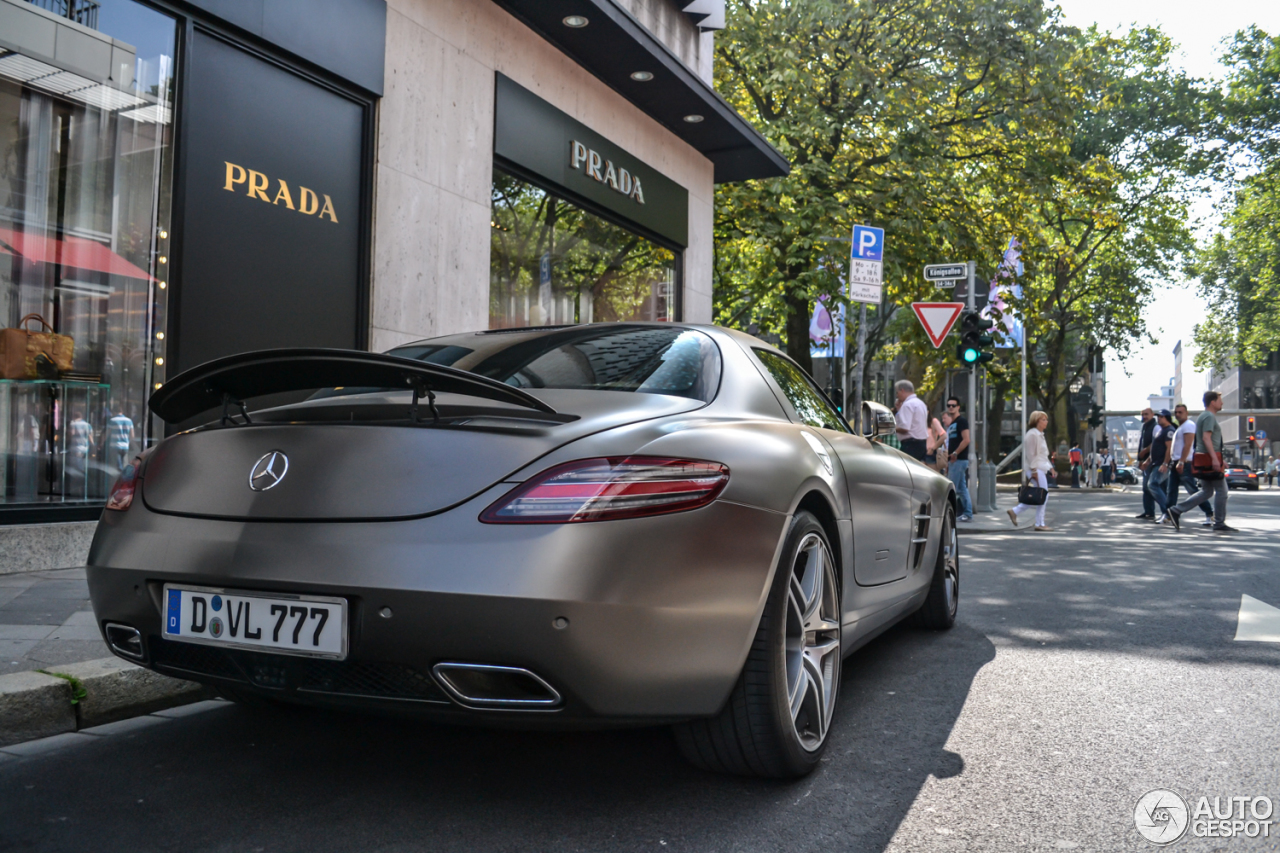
(693, 119)
(575, 21)
(642, 76)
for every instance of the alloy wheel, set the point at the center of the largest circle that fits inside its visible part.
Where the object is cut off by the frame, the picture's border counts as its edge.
(812, 648)
(951, 567)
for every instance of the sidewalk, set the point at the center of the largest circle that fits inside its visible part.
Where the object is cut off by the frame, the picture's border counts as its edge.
(46, 620)
(56, 673)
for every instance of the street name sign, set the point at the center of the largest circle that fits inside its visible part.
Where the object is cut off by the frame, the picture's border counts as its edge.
(866, 265)
(937, 318)
(945, 272)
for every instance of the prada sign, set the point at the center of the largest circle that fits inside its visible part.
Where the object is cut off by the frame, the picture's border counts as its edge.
(271, 210)
(256, 185)
(570, 157)
(602, 170)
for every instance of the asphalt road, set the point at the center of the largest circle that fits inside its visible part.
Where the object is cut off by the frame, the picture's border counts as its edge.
(1089, 666)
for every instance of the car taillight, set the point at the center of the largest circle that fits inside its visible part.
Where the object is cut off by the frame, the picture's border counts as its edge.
(610, 488)
(121, 495)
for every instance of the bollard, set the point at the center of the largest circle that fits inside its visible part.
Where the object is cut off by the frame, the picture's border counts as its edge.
(986, 488)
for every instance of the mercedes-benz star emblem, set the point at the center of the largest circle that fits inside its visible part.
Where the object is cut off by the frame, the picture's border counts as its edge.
(268, 471)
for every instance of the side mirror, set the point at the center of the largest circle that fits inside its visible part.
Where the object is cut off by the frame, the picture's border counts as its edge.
(877, 421)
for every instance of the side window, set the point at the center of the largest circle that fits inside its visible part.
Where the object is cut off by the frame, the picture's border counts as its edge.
(804, 396)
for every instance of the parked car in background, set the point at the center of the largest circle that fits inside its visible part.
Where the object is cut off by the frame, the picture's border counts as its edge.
(1242, 478)
(1128, 475)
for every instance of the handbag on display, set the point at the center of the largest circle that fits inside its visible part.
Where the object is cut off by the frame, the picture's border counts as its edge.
(34, 355)
(1202, 467)
(1031, 494)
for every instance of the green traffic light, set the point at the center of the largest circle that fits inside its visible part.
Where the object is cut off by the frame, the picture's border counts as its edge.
(969, 355)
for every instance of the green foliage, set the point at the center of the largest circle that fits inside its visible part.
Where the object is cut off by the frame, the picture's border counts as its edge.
(956, 124)
(914, 116)
(77, 686)
(1239, 271)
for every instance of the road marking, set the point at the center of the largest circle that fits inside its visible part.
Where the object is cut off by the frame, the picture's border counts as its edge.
(1259, 622)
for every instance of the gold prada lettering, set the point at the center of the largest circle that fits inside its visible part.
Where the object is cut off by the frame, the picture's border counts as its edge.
(307, 202)
(585, 160)
(327, 210)
(232, 180)
(283, 193)
(257, 184)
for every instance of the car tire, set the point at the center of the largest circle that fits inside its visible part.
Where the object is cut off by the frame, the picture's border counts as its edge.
(778, 717)
(938, 613)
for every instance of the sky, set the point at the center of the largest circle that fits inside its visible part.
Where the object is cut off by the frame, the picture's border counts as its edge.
(1199, 30)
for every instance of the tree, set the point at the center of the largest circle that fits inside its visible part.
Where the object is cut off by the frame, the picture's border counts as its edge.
(1113, 221)
(1239, 271)
(892, 112)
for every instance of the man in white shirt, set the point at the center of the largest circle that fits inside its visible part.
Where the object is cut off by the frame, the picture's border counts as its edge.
(913, 420)
(1180, 475)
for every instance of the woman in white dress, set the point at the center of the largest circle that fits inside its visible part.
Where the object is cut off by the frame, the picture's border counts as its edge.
(1036, 463)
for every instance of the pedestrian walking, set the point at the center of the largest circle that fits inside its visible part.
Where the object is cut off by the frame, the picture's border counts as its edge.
(936, 453)
(1036, 464)
(958, 451)
(1207, 466)
(1077, 464)
(1161, 443)
(913, 420)
(1181, 476)
(120, 437)
(1271, 472)
(1144, 462)
(1106, 469)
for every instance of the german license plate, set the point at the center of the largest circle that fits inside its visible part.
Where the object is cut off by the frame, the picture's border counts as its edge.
(286, 624)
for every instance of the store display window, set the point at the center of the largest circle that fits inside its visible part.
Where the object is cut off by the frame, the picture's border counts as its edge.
(85, 174)
(553, 262)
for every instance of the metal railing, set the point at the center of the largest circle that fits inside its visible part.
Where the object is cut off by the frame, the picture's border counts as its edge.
(83, 12)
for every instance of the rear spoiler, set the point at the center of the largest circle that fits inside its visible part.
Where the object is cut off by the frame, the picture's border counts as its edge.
(231, 380)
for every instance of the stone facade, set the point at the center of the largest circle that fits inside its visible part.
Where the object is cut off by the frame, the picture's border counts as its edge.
(434, 167)
(38, 547)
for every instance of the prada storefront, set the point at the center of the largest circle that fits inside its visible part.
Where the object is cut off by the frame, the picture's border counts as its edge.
(182, 180)
(177, 183)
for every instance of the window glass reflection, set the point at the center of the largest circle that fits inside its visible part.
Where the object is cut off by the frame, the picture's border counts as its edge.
(553, 263)
(811, 406)
(85, 141)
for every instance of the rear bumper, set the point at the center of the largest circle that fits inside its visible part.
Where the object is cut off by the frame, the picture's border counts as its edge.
(643, 619)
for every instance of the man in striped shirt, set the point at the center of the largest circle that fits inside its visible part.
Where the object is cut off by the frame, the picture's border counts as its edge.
(119, 437)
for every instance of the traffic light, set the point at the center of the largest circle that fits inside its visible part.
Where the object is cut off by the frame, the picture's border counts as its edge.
(1095, 415)
(1253, 425)
(974, 340)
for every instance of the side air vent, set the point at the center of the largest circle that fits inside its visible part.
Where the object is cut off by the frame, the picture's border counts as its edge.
(920, 535)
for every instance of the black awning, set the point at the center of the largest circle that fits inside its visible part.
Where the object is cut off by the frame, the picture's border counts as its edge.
(614, 44)
(275, 371)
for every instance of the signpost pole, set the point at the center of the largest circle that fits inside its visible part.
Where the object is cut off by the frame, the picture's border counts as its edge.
(973, 396)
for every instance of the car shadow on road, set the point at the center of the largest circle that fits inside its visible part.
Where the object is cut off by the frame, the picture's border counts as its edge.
(238, 779)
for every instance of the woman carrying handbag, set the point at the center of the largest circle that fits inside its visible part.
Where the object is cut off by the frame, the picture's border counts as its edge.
(1036, 462)
(936, 448)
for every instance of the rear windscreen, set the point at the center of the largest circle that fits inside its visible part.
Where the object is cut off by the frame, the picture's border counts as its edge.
(644, 359)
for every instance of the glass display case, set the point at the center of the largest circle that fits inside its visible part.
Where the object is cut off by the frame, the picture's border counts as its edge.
(85, 195)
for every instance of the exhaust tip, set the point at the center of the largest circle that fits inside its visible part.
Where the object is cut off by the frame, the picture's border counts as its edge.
(124, 640)
(510, 688)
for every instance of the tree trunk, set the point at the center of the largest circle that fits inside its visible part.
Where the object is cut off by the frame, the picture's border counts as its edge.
(995, 416)
(798, 329)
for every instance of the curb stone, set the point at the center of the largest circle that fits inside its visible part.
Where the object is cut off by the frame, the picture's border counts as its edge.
(35, 705)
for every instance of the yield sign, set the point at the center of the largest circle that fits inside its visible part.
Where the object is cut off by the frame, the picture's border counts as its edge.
(937, 318)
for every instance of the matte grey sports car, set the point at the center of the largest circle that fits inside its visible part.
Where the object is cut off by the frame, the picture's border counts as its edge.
(610, 524)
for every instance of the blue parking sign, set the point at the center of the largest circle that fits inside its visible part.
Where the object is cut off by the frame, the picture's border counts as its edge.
(868, 243)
